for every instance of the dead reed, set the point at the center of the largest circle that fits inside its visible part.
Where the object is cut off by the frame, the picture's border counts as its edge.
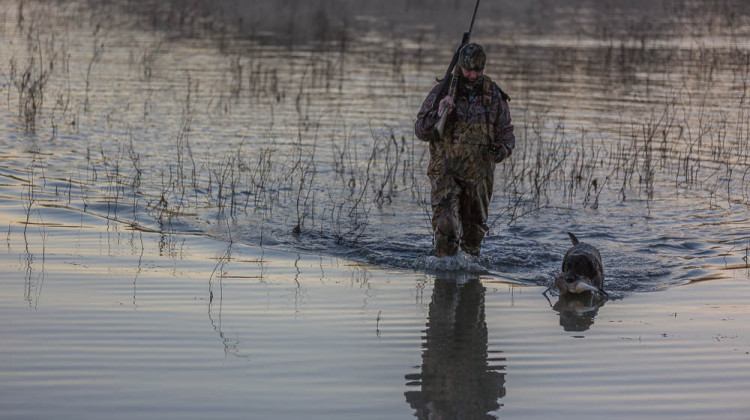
(321, 169)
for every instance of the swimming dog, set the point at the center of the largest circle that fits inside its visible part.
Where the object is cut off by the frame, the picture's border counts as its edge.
(582, 270)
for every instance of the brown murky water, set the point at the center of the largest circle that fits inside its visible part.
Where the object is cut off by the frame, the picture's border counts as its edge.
(150, 191)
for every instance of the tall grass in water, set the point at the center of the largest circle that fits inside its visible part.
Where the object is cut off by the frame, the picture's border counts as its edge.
(328, 173)
(29, 78)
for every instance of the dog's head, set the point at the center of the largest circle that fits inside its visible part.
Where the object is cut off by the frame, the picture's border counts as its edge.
(581, 271)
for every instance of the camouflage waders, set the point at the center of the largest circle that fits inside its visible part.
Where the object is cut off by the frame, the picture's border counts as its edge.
(461, 174)
(462, 165)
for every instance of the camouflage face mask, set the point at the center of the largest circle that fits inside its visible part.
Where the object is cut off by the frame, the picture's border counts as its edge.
(472, 57)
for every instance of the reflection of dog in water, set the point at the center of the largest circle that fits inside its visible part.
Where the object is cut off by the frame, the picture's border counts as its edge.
(577, 311)
(582, 270)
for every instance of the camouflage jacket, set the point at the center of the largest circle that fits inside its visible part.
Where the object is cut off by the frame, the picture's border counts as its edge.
(475, 137)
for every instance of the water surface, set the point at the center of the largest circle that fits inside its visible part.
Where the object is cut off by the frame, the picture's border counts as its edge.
(230, 227)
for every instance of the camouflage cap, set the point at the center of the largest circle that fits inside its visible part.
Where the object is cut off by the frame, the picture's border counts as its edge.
(472, 57)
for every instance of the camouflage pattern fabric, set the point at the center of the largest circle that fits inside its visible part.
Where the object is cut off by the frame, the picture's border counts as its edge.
(472, 57)
(462, 164)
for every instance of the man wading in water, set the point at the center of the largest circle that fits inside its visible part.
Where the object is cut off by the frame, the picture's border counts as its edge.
(477, 135)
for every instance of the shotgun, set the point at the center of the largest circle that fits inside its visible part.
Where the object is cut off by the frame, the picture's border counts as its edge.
(452, 76)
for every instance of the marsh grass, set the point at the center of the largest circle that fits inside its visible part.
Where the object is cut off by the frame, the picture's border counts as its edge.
(325, 173)
(30, 79)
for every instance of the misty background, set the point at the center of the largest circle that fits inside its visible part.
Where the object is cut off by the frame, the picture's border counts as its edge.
(336, 21)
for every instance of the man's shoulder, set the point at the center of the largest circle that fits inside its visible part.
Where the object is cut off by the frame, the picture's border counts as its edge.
(497, 91)
(435, 89)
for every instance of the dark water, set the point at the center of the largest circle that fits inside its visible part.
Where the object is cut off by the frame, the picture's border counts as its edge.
(154, 265)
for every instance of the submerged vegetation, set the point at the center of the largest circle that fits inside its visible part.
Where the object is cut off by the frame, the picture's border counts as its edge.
(308, 140)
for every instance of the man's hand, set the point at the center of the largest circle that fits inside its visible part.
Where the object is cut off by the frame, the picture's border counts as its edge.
(446, 105)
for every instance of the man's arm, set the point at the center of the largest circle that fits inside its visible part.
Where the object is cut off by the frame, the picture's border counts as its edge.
(504, 139)
(427, 117)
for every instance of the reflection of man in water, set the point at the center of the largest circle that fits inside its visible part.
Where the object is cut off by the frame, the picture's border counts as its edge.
(456, 381)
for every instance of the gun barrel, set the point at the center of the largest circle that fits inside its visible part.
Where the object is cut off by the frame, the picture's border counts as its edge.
(474, 16)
